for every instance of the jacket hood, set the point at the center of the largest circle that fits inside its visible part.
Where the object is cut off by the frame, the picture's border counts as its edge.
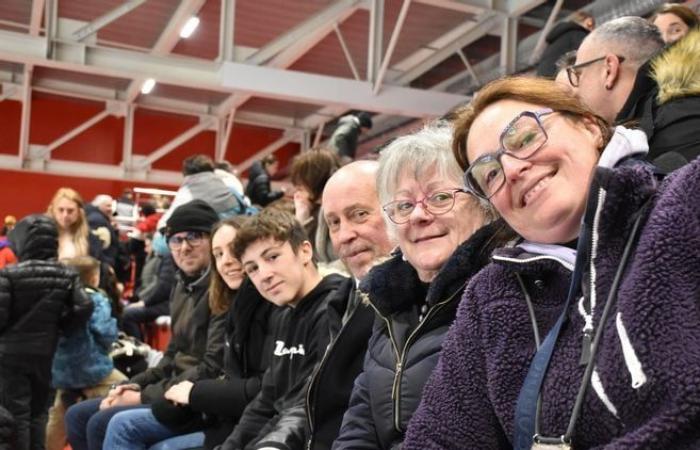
(392, 286)
(255, 170)
(562, 28)
(677, 69)
(35, 237)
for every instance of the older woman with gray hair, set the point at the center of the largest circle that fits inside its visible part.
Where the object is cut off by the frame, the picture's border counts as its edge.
(443, 241)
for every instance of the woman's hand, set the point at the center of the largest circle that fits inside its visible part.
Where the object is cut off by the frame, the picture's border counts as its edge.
(180, 393)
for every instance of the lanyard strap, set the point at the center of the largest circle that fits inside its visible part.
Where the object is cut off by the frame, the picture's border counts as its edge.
(527, 408)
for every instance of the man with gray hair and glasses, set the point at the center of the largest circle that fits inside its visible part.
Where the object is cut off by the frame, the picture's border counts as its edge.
(625, 75)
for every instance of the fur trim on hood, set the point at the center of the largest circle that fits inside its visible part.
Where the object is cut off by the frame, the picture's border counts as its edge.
(677, 70)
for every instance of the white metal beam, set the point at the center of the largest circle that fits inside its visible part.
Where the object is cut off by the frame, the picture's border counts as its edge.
(539, 47)
(288, 48)
(346, 52)
(26, 113)
(107, 18)
(167, 40)
(38, 7)
(375, 40)
(509, 45)
(392, 45)
(226, 30)
(454, 5)
(128, 143)
(204, 124)
(77, 130)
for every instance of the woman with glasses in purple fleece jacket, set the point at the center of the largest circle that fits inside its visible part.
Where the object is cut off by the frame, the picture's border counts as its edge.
(605, 282)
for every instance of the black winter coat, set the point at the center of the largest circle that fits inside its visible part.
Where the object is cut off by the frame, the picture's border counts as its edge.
(38, 296)
(258, 188)
(404, 349)
(564, 37)
(276, 417)
(331, 385)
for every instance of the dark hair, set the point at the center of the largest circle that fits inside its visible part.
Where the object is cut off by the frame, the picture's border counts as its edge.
(268, 160)
(86, 266)
(538, 91)
(365, 119)
(147, 208)
(271, 223)
(681, 11)
(197, 164)
(220, 295)
(312, 169)
(224, 165)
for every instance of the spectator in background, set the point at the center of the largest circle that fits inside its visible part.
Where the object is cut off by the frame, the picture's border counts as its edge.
(39, 298)
(74, 237)
(674, 21)
(562, 38)
(622, 78)
(566, 60)
(258, 189)
(7, 256)
(99, 218)
(151, 298)
(345, 136)
(82, 367)
(309, 173)
(146, 227)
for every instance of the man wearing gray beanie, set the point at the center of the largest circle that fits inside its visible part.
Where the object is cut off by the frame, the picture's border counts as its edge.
(196, 346)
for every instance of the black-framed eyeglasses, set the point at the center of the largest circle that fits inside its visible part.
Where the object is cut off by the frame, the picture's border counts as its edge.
(574, 72)
(437, 203)
(193, 238)
(520, 139)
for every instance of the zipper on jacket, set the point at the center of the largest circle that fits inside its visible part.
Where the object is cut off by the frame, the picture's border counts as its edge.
(400, 356)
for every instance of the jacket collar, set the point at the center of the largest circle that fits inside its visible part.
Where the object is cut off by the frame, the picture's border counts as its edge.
(392, 286)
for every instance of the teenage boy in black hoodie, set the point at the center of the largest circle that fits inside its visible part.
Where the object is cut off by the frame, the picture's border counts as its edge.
(278, 258)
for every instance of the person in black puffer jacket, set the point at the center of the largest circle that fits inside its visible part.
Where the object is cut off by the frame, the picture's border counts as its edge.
(39, 297)
(564, 37)
(258, 188)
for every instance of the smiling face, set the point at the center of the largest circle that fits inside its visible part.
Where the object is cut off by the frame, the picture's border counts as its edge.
(428, 240)
(192, 259)
(354, 217)
(671, 26)
(66, 212)
(227, 265)
(544, 197)
(281, 276)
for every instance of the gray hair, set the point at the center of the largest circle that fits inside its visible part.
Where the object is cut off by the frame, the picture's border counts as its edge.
(632, 37)
(415, 154)
(101, 198)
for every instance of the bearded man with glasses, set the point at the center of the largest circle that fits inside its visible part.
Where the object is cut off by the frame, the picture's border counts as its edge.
(196, 347)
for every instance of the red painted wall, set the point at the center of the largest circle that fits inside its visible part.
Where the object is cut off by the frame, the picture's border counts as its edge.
(52, 116)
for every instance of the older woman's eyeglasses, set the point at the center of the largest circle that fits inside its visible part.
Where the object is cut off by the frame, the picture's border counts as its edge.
(574, 72)
(437, 203)
(523, 136)
(193, 239)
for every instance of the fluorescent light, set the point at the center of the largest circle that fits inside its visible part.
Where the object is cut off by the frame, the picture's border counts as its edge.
(148, 86)
(189, 27)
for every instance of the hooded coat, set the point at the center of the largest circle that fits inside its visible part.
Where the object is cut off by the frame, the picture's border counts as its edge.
(404, 349)
(39, 297)
(665, 103)
(258, 187)
(644, 393)
(563, 37)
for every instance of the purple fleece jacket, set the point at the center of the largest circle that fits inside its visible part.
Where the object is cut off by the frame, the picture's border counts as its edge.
(645, 393)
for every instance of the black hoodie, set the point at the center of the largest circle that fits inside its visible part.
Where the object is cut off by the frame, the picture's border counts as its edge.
(276, 418)
(564, 37)
(38, 296)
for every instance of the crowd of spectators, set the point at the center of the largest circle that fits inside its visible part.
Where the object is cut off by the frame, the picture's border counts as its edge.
(522, 273)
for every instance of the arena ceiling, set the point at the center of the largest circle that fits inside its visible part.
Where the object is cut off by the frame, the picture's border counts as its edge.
(294, 66)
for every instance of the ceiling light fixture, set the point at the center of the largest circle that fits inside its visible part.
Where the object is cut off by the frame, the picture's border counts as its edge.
(148, 86)
(189, 27)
